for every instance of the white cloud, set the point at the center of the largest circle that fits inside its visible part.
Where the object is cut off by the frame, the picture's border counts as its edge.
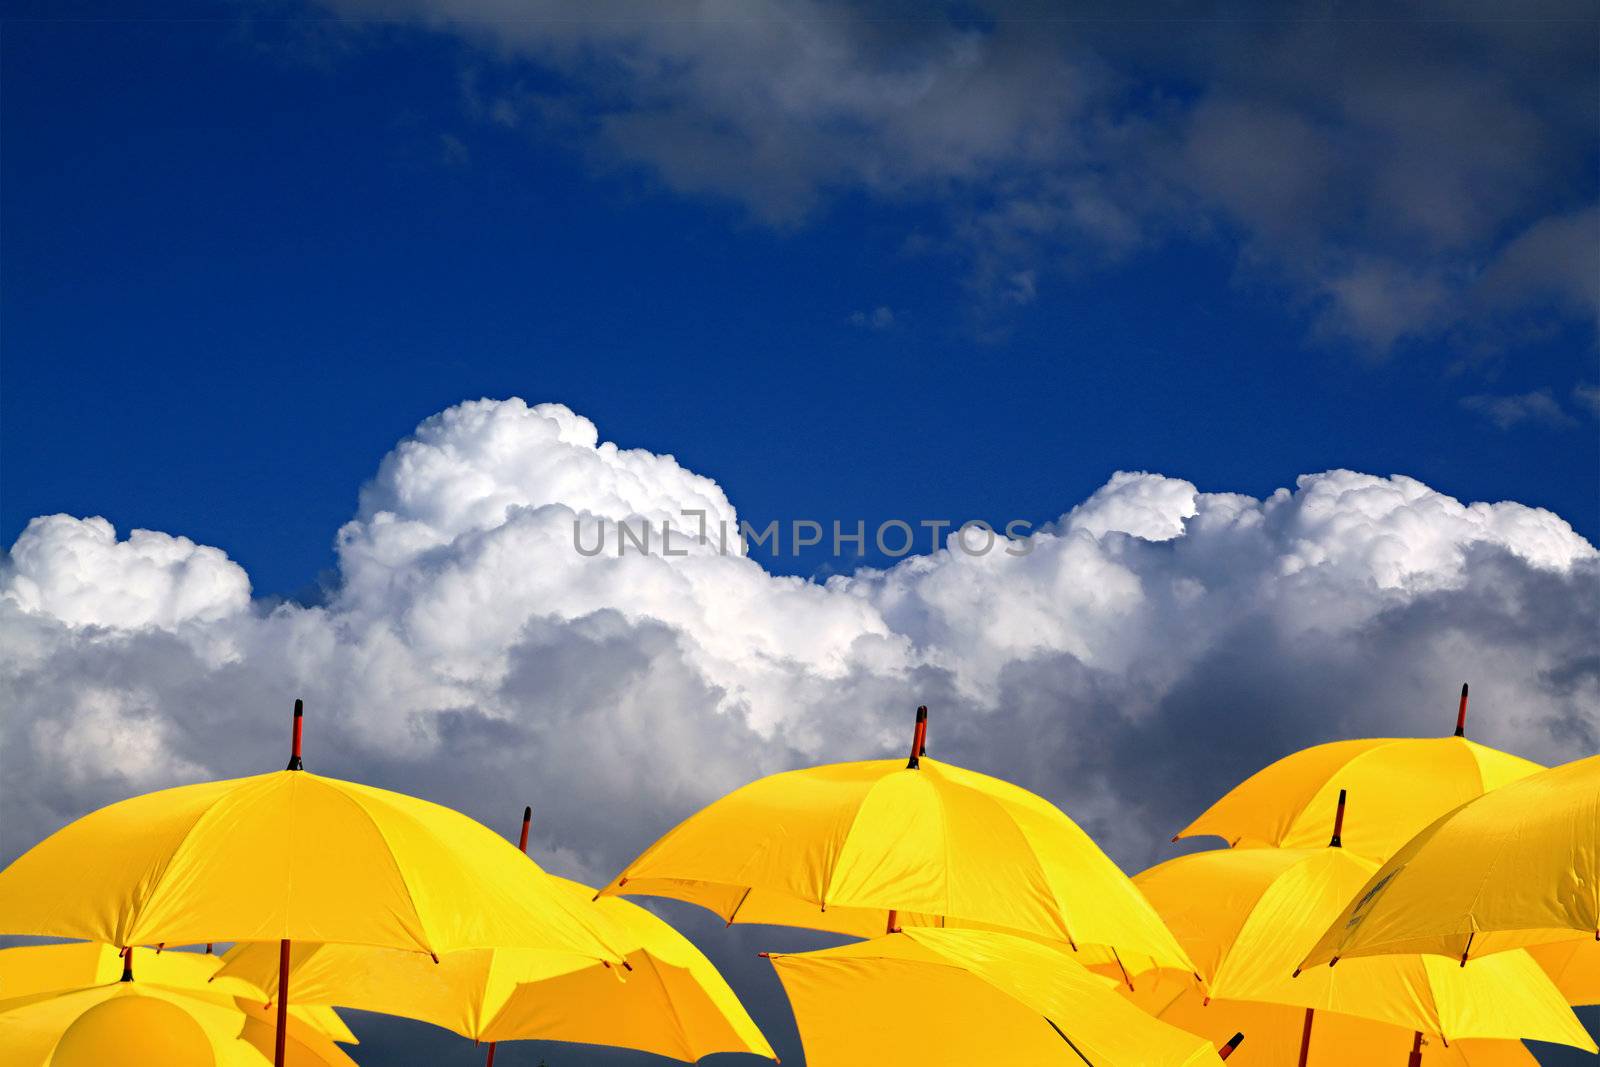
(78, 572)
(1153, 643)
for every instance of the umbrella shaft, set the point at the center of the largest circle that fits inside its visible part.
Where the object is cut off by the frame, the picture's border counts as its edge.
(281, 1044)
(1305, 1039)
(490, 1061)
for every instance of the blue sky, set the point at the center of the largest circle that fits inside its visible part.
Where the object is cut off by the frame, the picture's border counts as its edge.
(852, 262)
(243, 256)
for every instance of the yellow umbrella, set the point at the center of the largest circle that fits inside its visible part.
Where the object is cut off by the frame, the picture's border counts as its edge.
(1275, 1033)
(934, 997)
(28, 970)
(1515, 867)
(1404, 784)
(668, 999)
(1246, 917)
(137, 1024)
(288, 857)
(865, 848)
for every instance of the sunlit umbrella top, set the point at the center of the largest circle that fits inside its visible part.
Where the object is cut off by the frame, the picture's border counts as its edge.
(861, 848)
(1518, 866)
(289, 855)
(1401, 784)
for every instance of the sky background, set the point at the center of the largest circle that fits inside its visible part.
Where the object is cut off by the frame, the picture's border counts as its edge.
(848, 262)
(246, 249)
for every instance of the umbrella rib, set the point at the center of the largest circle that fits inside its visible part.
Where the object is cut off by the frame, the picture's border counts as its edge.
(678, 1028)
(1062, 1034)
(734, 914)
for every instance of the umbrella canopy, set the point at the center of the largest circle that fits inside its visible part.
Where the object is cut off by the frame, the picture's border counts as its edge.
(1403, 785)
(864, 848)
(29, 970)
(1247, 916)
(1275, 1033)
(135, 1024)
(290, 855)
(1518, 866)
(669, 1000)
(946, 997)
(287, 857)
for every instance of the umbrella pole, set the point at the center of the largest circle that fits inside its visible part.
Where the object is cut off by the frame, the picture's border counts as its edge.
(1305, 1039)
(1415, 1059)
(522, 844)
(1461, 713)
(281, 1043)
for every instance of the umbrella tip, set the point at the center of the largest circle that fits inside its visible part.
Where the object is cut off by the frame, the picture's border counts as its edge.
(1233, 1042)
(1338, 824)
(527, 820)
(294, 749)
(919, 739)
(1461, 713)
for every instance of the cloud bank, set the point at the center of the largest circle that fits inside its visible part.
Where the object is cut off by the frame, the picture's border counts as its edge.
(1155, 644)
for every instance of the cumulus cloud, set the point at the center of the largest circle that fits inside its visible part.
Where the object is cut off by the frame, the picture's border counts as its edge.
(1400, 177)
(78, 572)
(1150, 646)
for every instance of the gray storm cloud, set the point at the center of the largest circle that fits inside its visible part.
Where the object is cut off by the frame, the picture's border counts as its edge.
(1156, 644)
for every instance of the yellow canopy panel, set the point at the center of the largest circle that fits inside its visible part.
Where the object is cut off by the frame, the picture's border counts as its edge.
(959, 997)
(1517, 866)
(1574, 967)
